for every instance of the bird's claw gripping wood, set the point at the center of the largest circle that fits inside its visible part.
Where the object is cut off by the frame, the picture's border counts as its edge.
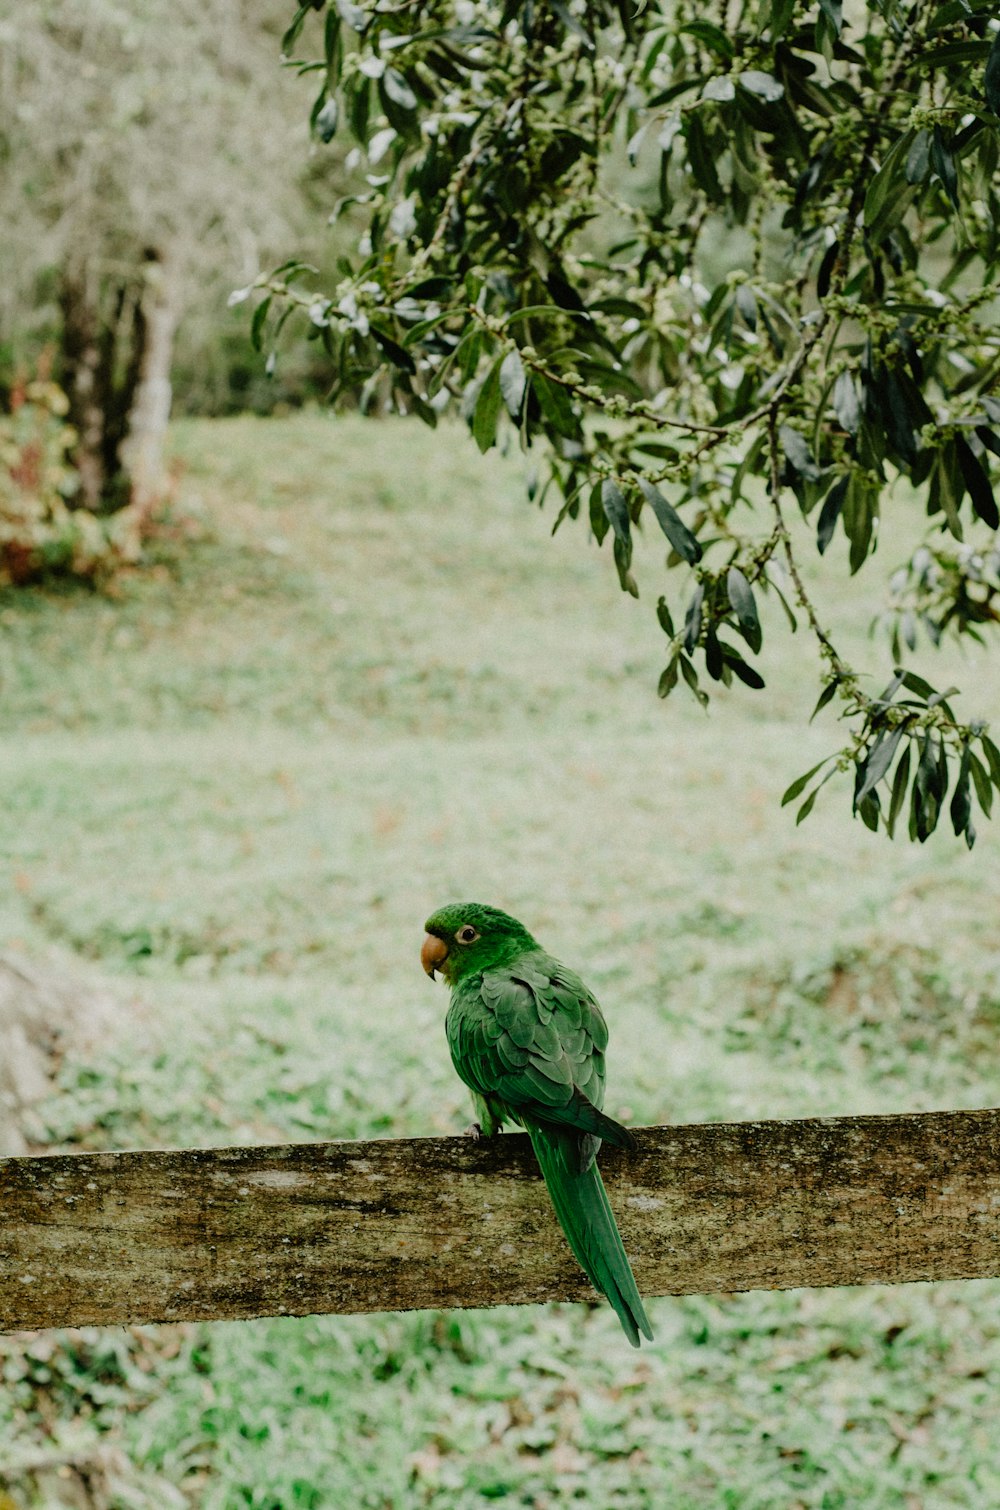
(528, 1039)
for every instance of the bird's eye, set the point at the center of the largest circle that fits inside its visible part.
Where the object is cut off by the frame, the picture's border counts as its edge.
(467, 935)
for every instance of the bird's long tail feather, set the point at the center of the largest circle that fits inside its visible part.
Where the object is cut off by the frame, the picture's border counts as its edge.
(581, 1204)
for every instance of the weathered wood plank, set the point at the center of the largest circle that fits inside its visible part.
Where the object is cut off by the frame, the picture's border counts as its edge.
(428, 1222)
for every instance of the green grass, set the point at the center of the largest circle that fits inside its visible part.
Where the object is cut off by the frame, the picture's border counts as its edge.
(238, 788)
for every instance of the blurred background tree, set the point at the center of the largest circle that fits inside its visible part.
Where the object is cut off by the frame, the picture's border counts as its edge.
(706, 265)
(149, 165)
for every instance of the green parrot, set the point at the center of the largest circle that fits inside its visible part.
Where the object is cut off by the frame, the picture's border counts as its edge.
(528, 1039)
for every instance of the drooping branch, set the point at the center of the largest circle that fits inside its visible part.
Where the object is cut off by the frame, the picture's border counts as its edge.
(688, 265)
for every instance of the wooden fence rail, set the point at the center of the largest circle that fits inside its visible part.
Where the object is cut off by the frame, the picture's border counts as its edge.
(116, 1238)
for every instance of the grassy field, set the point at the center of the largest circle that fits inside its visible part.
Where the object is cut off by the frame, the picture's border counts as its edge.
(235, 791)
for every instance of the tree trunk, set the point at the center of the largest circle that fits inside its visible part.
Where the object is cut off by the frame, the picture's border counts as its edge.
(117, 348)
(143, 448)
(85, 379)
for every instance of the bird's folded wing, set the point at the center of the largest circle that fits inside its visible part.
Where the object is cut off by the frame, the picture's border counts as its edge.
(534, 1039)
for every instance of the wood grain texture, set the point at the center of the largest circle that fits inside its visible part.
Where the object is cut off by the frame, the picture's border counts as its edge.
(438, 1222)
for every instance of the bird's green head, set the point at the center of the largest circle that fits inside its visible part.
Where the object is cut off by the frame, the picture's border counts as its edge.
(466, 937)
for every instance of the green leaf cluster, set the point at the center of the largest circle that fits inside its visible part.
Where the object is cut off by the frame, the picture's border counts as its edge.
(902, 732)
(703, 273)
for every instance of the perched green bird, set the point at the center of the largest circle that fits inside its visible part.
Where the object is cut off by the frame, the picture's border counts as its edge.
(528, 1039)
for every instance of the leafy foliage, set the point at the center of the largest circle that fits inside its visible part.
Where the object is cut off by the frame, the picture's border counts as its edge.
(702, 266)
(41, 533)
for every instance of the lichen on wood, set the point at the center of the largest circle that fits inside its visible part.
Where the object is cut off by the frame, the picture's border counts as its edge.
(200, 1234)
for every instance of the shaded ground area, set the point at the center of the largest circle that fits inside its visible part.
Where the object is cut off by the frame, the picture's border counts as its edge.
(47, 1014)
(236, 791)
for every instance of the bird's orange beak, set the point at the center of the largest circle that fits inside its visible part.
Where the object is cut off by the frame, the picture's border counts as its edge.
(433, 954)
